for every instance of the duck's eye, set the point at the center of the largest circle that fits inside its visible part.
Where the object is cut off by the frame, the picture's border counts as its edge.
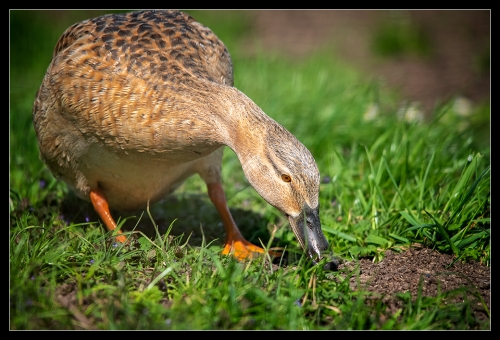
(286, 178)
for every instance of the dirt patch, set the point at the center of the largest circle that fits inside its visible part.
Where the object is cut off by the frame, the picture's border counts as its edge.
(426, 272)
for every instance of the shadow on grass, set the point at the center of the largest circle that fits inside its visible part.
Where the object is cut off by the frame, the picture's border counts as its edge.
(191, 217)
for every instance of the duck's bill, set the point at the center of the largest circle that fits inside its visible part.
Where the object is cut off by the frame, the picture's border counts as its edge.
(307, 229)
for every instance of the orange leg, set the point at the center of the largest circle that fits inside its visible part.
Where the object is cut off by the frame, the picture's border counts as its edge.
(235, 242)
(100, 204)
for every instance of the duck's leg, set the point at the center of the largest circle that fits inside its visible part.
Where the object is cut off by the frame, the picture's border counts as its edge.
(101, 206)
(235, 242)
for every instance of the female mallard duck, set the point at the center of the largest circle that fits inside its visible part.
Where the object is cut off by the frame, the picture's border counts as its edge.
(133, 104)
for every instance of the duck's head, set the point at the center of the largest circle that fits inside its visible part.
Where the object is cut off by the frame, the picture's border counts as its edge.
(285, 174)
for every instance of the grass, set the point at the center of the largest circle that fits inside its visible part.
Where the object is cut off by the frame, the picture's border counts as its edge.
(388, 181)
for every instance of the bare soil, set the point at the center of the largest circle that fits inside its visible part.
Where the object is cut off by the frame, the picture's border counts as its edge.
(426, 272)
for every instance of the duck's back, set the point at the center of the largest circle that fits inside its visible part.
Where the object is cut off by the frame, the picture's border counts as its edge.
(170, 45)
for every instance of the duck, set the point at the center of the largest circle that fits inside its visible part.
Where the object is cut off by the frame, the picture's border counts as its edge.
(133, 104)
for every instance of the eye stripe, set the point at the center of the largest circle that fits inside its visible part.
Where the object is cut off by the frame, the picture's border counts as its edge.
(272, 163)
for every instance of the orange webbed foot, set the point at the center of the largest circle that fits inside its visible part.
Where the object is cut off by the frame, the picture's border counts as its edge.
(235, 243)
(241, 249)
(121, 238)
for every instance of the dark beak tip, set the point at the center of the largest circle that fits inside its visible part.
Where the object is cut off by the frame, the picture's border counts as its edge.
(332, 266)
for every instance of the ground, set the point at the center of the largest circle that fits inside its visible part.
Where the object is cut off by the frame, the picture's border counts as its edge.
(459, 40)
(439, 273)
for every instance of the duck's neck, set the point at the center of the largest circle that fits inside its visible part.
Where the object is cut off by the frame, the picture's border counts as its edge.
(241, 124)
